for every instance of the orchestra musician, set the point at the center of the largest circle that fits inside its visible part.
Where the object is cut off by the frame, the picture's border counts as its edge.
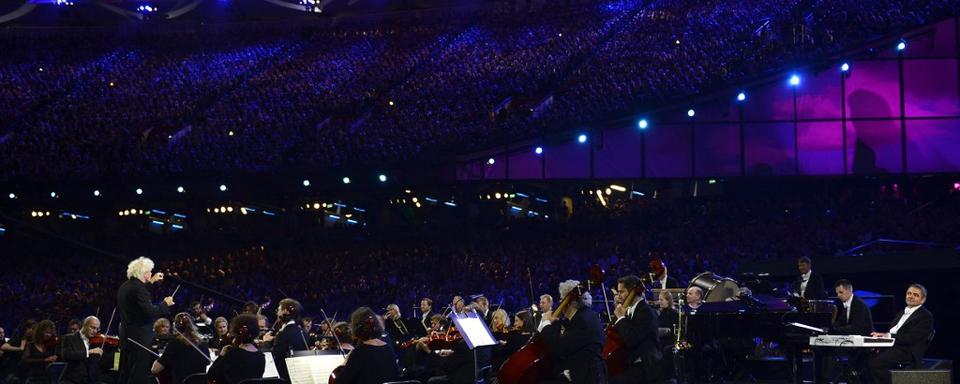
(221, 328)
(426, 313)
(694, 299)
(636, 323)
(137, 314)
(808, 285)
(40, 352)
(576, 338)
(287, 335)
(161, 332)
(203, 322)
(240, 360)
(911, 331)
(12, 370)
(661, 280)
(483, 309)
(372, 360)
(82, 356)
(668, 319)
(852, 318)
(396, 326)
(186, 354)
(546, 308)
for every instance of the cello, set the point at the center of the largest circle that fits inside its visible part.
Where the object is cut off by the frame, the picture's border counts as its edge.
(614, 350)
(533, 363)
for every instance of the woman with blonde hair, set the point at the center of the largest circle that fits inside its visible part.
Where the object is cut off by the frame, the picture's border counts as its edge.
(186, 354)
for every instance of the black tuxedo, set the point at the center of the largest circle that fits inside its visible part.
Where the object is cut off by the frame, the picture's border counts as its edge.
(399, 331)
(638, 332)
(814, 289)
(859, 323)
(290, 337)
(81, 368)
(424, 328)
(579, 347)
(910, 345)
(671, 283)
(137, 314)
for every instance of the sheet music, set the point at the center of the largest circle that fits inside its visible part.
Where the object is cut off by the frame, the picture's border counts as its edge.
(270, 368)
(807, 327)
(474, 330)
(315, 369)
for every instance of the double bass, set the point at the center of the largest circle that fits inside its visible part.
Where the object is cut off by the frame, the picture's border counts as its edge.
(533, 363)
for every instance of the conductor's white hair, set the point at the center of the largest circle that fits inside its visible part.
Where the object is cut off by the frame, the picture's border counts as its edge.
(585, 299)
(137, 268)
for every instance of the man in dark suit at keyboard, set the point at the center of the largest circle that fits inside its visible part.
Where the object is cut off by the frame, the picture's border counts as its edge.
(911, 330)
(853, 318)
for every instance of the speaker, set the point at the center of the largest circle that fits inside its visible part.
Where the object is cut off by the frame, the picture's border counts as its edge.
(937, 376)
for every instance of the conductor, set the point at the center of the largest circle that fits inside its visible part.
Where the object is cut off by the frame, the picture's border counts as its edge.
(137, 314)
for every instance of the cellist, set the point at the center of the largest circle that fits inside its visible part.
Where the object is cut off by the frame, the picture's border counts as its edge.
(636, 325)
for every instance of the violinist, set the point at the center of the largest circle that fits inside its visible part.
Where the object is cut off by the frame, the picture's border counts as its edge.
(546, 307)
(203, 322)
(575, 337)
(286, 335)
(510, 338)
(372, 360)
(81, 354)
(40, 352)
(220, 326)
(426, 313)
(240, 360)
(137, 314)
(11, 370)
(186, 354)
(161, 335)
(636, 324)
(396, 326)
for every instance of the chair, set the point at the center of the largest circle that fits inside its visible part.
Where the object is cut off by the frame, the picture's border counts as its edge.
(55, 371)
(909, 365)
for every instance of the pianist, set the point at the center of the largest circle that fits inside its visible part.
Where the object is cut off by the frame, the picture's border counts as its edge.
(852, 318)
(911, 330)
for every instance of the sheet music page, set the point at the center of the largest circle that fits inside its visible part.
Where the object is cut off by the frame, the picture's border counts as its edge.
(315, 369)
(475, 331)
(807, 327)
(270, 368)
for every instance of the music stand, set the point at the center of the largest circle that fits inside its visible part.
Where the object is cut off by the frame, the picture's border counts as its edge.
(475, 332)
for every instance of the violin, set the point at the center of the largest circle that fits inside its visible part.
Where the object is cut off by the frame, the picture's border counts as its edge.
(52, 343)
(437, 340)
(102, 340)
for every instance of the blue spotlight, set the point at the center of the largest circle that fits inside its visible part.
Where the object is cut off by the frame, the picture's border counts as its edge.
(741, 96)
(901, 45)
(582, 138)
(794, 80)
(382, 178)
(844, 67)
(139, 191)
(538, 150)
(691, 113)
(223, 187)
(53, 195)
(642, 124)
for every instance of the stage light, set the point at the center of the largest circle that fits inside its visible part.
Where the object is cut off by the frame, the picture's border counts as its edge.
(111, 84)
(126, 212)
(139, 191)
(53, 195)
(230, 133)
(418, 205)
(306, 183)
(497, 195)
(844, 67)
(41, 69)
(491, 161)
(180, 189)
(608, 191)
(382, 178)
(901, 45)
(416, 200)
(618, 188)
(33, 213)
(643, 124)
(346, 180)
(691, 113)
(243, 210)
(741, 96)
(229, 209)
(223, 209)
(96, 192)
(12, 196)
(390, 103)
(216, 210)
(794, 80)
(678, 42)
(223, 187)
(316, 205)
(582, 138)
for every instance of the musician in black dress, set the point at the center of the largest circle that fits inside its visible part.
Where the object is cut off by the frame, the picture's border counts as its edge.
(852, 318)
(396, 326)
(575, 338)
(40, 352)
(287, 335)
(82, 357)
(137, 314)
(912, 330)
(186, 353)
(636, 323)
(240, 360)
(372, 360)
